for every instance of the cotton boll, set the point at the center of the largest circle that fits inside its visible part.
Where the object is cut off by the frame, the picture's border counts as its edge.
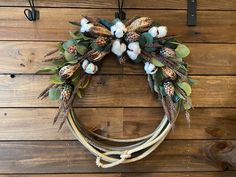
(91, 68)
(162, 31)
(150, 68)
(134, 50)
(134, 46)
(153, 31)
(86, 27)
(118, 48)
(132, 55)
(85, 64)
(119, 33)
(118, 29)
(83, 21)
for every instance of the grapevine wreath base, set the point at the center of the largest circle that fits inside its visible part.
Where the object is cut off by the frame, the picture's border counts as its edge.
(140, 40)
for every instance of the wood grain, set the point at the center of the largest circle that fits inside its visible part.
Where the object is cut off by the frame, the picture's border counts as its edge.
(213, 26)
(115, 91)
(27, 57)
(36, 123)
(181, 174)
(148, 4)
(71, 157)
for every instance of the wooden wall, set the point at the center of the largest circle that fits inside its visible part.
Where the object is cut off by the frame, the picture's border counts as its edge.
(114, 104)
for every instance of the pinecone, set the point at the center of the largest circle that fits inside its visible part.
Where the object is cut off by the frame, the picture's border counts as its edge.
(66, 92)
(132, 37)
(169, 88)
(101, 41)
(72, 49)
(167, 52)
(67, 71)
(169, 72)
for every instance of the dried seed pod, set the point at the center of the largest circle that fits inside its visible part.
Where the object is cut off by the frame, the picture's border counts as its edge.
(132, 36)
(72, 49)
(102, 41)
(140, 24)
(97, 31)
(67, 71)
(123, 59)
(169, 72)
(66, 92)
(169, 88)
(94, 55)
(167, 52)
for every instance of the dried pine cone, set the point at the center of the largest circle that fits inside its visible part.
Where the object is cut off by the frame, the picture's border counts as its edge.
(141, 24)
(169, 72)
(132, 37)
(67, 71)
(167, 52)
(169, 88)
(102, 41)
(66, 92)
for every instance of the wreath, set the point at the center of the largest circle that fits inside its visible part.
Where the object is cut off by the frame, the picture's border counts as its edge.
(138, 39)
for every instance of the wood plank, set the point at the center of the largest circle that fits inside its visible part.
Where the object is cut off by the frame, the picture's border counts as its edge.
(213, 26)
(115, 91)
(148, 4)
(36, 123)
(183, 174)
(68, 175)
(26, 57)
(72, 157)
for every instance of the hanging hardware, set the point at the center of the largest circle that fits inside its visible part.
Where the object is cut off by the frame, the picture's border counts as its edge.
(120, 14)
(31, 14)
(192, 13)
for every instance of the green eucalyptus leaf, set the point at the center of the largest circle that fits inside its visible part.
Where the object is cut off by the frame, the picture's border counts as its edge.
(145, 38)
(79, 94)
(179, 95)
(182, 51)
(49, 69)
(68, 43)
(56, 79)
(81, 49)
(73, 35)
(59, 63)
(156, 62)
(75, 23)
(54, 93)
(185, 87)
(72, 62)
(187, 106)
(106, 23)
(69, 56)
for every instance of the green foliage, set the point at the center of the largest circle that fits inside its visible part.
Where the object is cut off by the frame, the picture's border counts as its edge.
(69, 56)
(81, 49)
(56, 79)
(185, 87)
(156, 62)
(49, 69)
(54, 93)
(182, 51)
(145, 39)
(75, 23)
(68, 43)
(106, 23)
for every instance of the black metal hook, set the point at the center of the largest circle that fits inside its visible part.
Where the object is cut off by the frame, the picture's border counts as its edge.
(31, 14)
(192, 13)
(120, 14)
